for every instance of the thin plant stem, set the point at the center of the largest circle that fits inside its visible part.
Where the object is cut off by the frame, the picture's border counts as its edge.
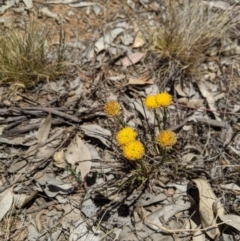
(158, 121)
(121, 121)
(164, 118)
(143, 167)
(164, 156)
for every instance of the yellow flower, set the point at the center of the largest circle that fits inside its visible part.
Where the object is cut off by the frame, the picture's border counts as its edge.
(151, 102)
(133, 150)
(163, 99)
(126, 135)
(112, 108)
(166, 139)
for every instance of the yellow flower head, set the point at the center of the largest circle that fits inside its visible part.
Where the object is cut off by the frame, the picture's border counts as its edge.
(133, 150)
(112, 108)
(163, 99)
(151, 102)
(166, 139)
(126, 135)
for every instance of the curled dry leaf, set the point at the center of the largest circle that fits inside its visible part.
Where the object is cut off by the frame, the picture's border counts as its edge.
(79, 156)
(156, 219)
(59, 160)
(138, 41)
(207, 199)
(98, 132)
(207, 93)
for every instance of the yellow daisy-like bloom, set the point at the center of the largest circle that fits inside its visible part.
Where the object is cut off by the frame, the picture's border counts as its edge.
(166, 139)
(151, 102)
(133, 150)
(112, 108)
(126, 135)
(163, 99)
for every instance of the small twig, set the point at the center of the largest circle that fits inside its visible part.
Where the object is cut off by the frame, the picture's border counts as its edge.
(24, 129)
(36, 209)
(54, 112)
(13, 119)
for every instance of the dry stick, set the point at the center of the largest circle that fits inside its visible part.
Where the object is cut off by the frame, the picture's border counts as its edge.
(21, 130)
(182, 230)
(54, 112)
(210, 122)
(13, 119)
(36, 209)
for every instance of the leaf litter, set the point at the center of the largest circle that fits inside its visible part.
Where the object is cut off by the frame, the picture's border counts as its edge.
(62, 174)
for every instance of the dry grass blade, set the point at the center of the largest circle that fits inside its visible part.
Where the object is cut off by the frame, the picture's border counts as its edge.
(24, 56)
(191, 29)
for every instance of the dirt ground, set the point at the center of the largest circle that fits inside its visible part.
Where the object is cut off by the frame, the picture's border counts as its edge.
(63, 173)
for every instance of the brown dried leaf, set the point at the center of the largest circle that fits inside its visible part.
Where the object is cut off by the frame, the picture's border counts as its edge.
(6, 200)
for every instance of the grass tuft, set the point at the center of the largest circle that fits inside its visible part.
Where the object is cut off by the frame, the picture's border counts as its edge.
(189, 32)
(24, 56)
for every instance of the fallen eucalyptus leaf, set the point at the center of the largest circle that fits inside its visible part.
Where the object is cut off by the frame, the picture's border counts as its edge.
(78, 156)
(6, 200)
(44, 130)
(230, 186)
(138, 41)
(198, 235)
(207, 93)
(19, 199)
(96, 131)
(28, 3)
(231, 220)
(218, 4)
(207, 199)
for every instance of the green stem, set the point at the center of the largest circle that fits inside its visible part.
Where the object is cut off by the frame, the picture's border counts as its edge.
(158, 121)
(143, 167)
(121, 121)
(164, 118)
(164, 156)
